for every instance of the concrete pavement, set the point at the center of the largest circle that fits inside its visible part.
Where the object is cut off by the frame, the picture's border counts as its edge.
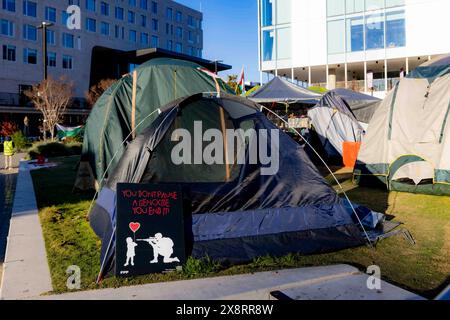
(25, 271)
(328, 280)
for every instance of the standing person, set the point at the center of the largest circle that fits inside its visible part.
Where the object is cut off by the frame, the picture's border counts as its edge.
(8, 150)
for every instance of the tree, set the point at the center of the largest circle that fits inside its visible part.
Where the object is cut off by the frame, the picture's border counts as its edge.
(7, 128)
(97, 90)
(51, 97)
(232, 82)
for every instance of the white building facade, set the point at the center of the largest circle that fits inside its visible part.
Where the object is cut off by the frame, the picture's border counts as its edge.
(364, 45)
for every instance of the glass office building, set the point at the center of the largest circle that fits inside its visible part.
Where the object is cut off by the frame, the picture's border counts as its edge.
(365, 45)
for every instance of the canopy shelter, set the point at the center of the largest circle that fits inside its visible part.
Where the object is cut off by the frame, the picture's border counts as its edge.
(362, 105)
(334, 123)
(238, 210)
(129, 106)
(407, 145)
(282, 91)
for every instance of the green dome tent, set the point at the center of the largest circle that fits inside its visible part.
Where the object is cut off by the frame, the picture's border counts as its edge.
(130, 105)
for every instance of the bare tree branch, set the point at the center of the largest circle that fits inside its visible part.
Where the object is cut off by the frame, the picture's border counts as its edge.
(51, 97)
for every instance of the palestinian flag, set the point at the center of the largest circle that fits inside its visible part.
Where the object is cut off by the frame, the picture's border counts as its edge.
(241, 83)
(68, 132)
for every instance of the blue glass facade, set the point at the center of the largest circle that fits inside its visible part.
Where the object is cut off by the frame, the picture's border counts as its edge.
(266, 13)
(381, 25)
(268, 45)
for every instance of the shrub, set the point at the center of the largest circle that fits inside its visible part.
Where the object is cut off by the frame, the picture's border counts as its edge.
(20, 141)
(54, 149)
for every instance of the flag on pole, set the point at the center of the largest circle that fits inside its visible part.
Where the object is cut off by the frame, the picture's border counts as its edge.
(241, 83)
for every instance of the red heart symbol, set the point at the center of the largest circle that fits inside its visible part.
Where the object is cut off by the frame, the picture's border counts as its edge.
(134, 226)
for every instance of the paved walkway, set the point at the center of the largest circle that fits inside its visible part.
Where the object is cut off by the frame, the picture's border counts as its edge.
(25, 271)
(330, 282)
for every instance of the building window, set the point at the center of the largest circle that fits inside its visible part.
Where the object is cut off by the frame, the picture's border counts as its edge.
(372, 5)
(179, 47)
(9, 5)
(104, 8)
(51, 59)
(68, 40)
(50, 14)
(190, 36)
(354, 6)
(29, 32)
(131, 17)
(144, 4)
(155, 42)
(375, 31)
(394, 3)
(67, 62)
(283, 11)
(179, 32)
(191, 21)
(104, 28)
(395, 29)
(169, 45)
(154, 25)
(91, 25)
(169, 14)
(90, 5)
(29, 56)
(267, 13)
(6, 28)
(144, 39)
(132, 3)
(29, 8)
(179, 17)
(154, 7)
(336, 36)
(9, 53)
(132, 36)
(268, 50)
(119, 13)
(355, 34)
(335, 7)
(143, 21)
(51, 38)
(284, 42)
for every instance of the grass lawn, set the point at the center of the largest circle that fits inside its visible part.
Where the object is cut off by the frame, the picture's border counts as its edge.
(423, 268)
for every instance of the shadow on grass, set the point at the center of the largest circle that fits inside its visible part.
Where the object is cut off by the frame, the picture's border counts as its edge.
(53, 186)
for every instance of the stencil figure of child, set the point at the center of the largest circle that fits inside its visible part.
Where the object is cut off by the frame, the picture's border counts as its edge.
(131, 245)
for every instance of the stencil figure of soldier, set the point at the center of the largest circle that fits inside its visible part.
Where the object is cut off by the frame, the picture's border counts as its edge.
(131, 245)
(161, 246)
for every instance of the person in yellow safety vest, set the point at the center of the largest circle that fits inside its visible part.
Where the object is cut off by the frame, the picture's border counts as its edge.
(8, 150)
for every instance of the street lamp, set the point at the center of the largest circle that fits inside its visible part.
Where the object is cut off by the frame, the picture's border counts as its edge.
(44, 25)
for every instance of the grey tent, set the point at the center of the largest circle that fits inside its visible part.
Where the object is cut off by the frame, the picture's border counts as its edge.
(362, 105)
(335, 123)
(407, 145)
(234, 212)
(282, 91)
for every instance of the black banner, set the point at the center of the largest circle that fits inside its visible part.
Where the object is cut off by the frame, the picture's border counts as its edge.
(150, 229)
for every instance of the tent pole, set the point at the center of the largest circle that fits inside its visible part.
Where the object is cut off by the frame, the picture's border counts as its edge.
(328, 168)
(225, 144)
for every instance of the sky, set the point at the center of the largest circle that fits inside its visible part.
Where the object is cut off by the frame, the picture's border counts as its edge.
(230, 33)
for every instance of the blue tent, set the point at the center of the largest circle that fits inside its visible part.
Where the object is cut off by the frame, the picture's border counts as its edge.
(283, 91)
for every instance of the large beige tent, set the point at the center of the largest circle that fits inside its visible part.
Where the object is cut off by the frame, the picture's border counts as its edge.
(407, 145)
